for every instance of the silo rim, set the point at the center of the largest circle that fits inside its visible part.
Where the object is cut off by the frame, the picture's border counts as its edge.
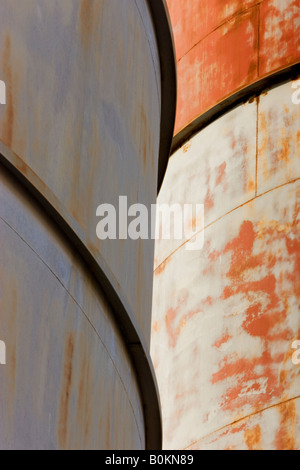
(168, 67)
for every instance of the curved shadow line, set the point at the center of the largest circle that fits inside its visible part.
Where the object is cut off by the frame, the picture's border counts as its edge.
(228, 104)
(128, 326)
(168, 72)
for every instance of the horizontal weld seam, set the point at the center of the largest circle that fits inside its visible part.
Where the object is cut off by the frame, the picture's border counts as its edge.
(85, 315)
(224, 215)
(235, 15)
(245, 418)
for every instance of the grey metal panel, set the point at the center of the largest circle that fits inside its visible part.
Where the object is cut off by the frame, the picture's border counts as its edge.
(120, 309)
(83, 113)
(82, 125)
(68, 381)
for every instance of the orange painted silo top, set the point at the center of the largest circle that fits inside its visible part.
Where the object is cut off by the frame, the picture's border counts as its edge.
(223, 46)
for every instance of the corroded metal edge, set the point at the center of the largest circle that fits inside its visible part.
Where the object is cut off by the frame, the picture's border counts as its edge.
(236, 99)
(130, 331)
(168, 67)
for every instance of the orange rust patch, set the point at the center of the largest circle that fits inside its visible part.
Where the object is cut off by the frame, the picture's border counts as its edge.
(267, 296)
(209, 202)
(221, 173)
(235, 429)
(174, 328)
(83, 409)
(66, 391)
(221, 341)
(160, 269)
(252, 438)
(285, 438)
(186, 147)
(86, 18)
(285, 151)
(251, 186)
(278, 24)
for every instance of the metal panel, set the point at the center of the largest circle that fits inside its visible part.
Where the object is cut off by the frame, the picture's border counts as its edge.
(91, 95)
(225, 317)
(255, 433)
(224, 320)
(68, 376)
(193, 20)
(74, 111)
(226, 60)
(279, 34)
(214, 156)
(224, 46)
(279, 142)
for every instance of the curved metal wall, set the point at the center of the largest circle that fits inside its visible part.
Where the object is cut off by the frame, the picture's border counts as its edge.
(225, 317)
(68, 382)
(82, 119)
(223, 46)
(83, 124)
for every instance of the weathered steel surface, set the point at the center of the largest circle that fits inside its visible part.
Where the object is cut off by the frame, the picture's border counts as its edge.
(254, 432)
(214, 156)
(225, 317)
(88, 90)
(224, 46)
(278, 139)
(279, 34)
(196, 19)
(68, 381)
(83, 113)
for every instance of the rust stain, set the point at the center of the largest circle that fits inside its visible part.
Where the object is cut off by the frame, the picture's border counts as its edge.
(208, 202)
(251, 186)
(186, 147)
(252, 438)
(267, 312)
(285, 150)
(285, 438)
(175, 321)
(83, 409)
(108, 427)
(222, 341)
(278, 24)
(249, 35)
(263, 127)
(66, 391)
(86, 19)
(221, 172)
(142, 131)
(161, 268)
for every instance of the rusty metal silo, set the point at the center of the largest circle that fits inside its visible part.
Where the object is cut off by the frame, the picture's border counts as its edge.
(89, 114)
(225, 318)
